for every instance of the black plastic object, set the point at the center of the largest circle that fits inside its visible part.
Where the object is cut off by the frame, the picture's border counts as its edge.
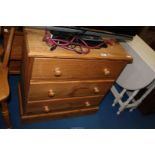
(90, 40)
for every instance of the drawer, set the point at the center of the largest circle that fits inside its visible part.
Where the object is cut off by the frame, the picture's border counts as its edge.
(53, 90)
(14, 67)
(62, 104)
(69, 69)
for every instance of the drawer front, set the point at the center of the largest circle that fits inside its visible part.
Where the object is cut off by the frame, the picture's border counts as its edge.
(69, 69)
(53, 90)
(62, 104)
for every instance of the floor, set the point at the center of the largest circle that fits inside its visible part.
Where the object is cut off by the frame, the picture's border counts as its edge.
(105, 118)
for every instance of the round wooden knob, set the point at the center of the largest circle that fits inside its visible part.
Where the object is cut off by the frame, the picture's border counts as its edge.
(57, 72)
(46, 109)
(106, 71)
(87, 103)
(51, 93)
(96, 90)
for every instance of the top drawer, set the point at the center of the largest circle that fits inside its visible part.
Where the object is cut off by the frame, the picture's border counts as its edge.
(69, 69)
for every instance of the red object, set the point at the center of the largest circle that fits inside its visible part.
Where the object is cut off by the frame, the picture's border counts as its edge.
(81, 48)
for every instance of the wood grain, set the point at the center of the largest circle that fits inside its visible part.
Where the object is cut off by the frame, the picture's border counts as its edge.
(41, 90)
(29, 118)
(38, 48)
(6, 114)
(4, 85)
(72, 69)
(14, 67)
(8, 48)
(26, 71)
(1, 50)
(16, 52)
(63, 83)
(62, 104)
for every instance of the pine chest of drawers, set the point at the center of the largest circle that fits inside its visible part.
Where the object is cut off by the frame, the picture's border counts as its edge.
(62, 83)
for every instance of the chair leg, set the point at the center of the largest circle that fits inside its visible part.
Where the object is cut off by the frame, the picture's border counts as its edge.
(119, 97)
(5, 114)
(127, 101)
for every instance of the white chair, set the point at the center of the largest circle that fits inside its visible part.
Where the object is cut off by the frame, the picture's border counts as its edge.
(136, 76)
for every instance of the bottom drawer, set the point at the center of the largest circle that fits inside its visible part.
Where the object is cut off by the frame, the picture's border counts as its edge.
(62, 104)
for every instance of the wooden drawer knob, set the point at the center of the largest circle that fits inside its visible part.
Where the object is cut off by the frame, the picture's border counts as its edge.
(87, 103)
(46, 109)
(96, 90)
(106, 71)
(57, 72)
(51, 93)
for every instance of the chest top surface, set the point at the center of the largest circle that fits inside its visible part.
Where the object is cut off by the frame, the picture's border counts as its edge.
(37, 48)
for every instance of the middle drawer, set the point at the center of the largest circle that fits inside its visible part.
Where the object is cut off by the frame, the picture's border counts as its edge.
(51, 90)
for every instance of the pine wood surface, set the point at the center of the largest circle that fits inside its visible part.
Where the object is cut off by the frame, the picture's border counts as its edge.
(38, 48)
(46, 68)
(63, 83)
(30, 118)
(52, 90)
(45, 106)
(4, 85)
